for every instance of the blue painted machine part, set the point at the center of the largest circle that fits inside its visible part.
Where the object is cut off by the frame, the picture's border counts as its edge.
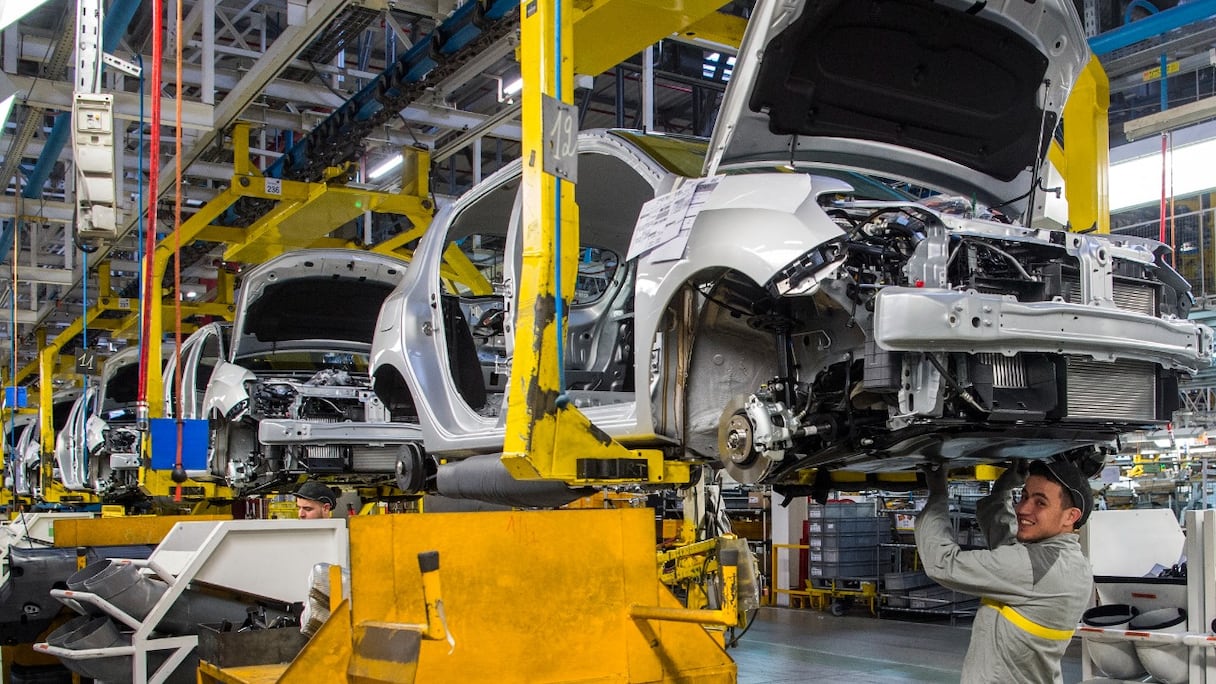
(338, 138)
(1138, 4)
(117, 20)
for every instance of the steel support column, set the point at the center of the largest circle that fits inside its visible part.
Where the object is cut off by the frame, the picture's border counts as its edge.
(208, 84)
(648, 89)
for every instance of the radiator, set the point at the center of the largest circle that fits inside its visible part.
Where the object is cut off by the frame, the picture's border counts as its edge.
(323, 459)
(1128, 296)
(370, 459)
(1092, 389)
(1008, 372)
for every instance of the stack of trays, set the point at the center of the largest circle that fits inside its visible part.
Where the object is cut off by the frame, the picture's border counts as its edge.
(844, 542)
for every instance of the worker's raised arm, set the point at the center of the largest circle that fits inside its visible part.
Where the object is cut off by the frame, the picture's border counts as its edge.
(995, 511)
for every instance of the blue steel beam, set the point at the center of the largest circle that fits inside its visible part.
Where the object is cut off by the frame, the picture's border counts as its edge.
(116, 22)
(1153, 26)
(6, 239)
(55, 142)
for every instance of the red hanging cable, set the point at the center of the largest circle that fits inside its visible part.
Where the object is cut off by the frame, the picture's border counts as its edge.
(179, 473)
(149, 294)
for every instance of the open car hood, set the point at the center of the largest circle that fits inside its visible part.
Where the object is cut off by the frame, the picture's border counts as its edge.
(321, 298)
(959, 95)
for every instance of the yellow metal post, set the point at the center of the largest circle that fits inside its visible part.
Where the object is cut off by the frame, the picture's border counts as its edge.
(549, 214)
(46, 426)
(160, 262)
(547, 438)
(224, 286)
(1085, 161)
(416, 171)
(103, 279)
(241, 163)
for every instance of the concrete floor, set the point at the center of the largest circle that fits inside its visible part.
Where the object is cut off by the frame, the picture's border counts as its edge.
(790, 645)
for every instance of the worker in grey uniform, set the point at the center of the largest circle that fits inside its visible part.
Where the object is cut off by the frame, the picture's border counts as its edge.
(1033, 581)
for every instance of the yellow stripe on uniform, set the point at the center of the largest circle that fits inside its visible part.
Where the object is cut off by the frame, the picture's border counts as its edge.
(1026, 624)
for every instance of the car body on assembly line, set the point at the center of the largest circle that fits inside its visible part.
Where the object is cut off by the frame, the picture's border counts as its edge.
(15, 478)
(299, 351)
(99, 449)
(24, 462)
(767, 302)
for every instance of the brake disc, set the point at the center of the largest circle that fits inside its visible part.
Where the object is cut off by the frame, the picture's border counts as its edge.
(737, 449)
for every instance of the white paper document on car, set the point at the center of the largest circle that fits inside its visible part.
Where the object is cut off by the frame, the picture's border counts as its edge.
(665, 222)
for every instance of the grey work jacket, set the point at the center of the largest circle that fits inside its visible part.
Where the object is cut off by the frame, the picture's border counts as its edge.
(1048, 582)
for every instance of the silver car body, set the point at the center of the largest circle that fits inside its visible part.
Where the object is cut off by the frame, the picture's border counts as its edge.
(202, 351)
(732, 362)
(13, 429)
(27, 457)
(98, 449)
(780, 323)
(298, 352)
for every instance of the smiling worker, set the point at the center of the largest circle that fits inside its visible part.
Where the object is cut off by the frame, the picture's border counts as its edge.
(1033, 579)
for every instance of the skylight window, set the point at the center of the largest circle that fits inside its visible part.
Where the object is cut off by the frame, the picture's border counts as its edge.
(713, 61)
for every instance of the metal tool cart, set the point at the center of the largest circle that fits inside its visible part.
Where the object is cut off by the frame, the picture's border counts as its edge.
(908, 590)
(905, 588)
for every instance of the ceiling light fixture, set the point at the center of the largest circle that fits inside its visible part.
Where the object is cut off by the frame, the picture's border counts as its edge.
(12, 10)
(385, 167)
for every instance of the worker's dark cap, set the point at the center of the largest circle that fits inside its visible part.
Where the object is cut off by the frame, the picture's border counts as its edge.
(1068, 476)
(315, 491)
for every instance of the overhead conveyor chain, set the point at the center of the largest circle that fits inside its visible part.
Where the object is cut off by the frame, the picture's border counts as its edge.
(338, 139)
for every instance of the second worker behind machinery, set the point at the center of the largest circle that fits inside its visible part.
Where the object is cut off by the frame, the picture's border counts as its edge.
(315, 501)
(1033, 579)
